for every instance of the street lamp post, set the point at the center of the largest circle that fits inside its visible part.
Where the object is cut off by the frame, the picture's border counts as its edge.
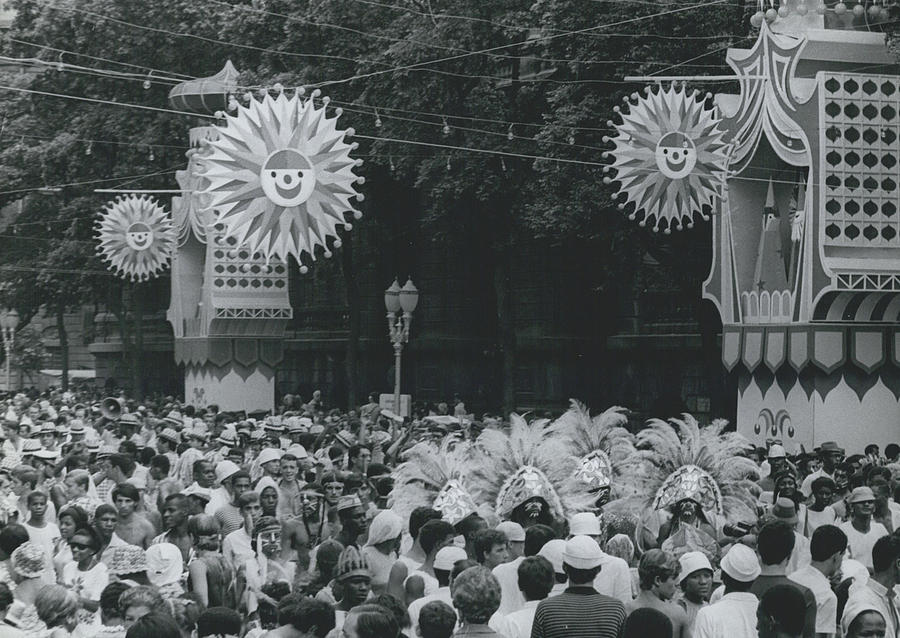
(9, 321)
(400, 304)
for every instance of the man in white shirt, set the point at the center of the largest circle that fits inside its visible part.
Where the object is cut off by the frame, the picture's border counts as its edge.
(553, 552)
(444, 561)
(237, 547)
(614, 579)
(536, 579)
(734, 615)
(827, 550)
(785, 510)
(862, 532)
(507, 574)
(878, 592)
(831, 456)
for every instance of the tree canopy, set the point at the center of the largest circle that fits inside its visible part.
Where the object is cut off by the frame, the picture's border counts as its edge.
(490, 115)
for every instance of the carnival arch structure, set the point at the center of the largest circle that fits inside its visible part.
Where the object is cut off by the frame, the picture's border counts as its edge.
(806, 222)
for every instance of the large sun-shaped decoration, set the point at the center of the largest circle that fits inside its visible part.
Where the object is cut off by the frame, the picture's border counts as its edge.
(670, 158)
(136, 237)
(281, 177)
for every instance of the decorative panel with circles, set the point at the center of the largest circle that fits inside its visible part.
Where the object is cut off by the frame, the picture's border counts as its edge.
(241, 279)
(859, 131)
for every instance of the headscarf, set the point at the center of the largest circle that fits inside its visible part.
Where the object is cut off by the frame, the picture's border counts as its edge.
(855, 607)
(264, 482)
(385, 526)
(164, 564)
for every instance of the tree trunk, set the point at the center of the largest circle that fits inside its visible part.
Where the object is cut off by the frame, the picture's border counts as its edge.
(505, 325)
(122, 317)
(138, 351)
(353, 313)
(63, 347)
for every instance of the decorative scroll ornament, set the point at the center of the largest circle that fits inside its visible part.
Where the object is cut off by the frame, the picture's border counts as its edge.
(689, 482)
(670, 158)
(136, 237)
(281, 177)
(190, 212)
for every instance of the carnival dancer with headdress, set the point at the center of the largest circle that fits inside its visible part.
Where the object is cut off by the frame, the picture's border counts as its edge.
(527, 474)
(432, 481)
(603, 447)
(691, 481)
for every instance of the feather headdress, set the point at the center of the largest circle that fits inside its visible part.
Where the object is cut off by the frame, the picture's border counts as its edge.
(679, 459)
(526, 461)
(602, 445)
(435, 476)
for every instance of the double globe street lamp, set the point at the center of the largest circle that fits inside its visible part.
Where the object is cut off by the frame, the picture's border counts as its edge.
(9, 321)
(400, 304)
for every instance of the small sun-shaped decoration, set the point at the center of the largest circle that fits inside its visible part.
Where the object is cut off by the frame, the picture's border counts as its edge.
(670, 158)
(136, 237)
(281, 176)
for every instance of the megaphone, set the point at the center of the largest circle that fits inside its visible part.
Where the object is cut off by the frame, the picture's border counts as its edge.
(111, 409)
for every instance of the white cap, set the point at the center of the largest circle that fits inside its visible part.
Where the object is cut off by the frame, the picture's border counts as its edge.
(448, 556)
(691, 562)
(297, 450)
(777, 452)
(269, 454)
(741, 563)
(225, 470)
(583, 552)
(584, 524)
(553, 551)
(514, 532)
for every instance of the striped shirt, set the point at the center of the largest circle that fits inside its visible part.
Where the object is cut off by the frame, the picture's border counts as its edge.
(579, 612)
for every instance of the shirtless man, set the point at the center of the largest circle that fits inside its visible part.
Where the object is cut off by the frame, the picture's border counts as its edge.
(132, 528)
(658, 572)
(300, 534)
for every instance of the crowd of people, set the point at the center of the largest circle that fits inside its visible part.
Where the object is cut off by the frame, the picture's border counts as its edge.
(162, 520)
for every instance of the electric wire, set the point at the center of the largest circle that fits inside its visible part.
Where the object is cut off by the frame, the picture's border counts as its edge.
(407, 67)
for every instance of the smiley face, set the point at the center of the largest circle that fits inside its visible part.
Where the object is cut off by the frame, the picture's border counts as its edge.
(676, 155)
(139, 236)
(287, 178)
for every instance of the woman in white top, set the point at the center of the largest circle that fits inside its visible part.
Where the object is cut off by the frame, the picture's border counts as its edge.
(71, 519)
(381, 548)
(85, 576)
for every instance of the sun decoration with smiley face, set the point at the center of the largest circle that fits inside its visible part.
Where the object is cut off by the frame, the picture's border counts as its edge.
(281, 176)
(670, 158)
(136, 237)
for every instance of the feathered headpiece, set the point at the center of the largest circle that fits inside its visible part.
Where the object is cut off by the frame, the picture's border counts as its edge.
(602, 445)
(527, 461)
(435, 476)
(679, 460)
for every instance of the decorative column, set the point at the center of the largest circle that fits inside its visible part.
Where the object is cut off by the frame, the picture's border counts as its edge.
(273, 180)
(229, 305)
